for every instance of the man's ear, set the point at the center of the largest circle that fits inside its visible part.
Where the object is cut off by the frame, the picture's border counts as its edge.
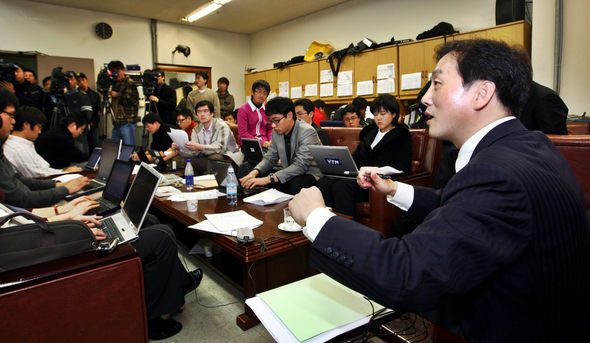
(292, 115)
(484, 93)
(26, 126)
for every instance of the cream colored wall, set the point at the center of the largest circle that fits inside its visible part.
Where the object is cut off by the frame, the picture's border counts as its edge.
(378, 20)
(576, 49)
(61, 31)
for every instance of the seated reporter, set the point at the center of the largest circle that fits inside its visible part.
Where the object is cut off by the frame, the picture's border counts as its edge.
(384, 143)
(161, 141)
(57, 146)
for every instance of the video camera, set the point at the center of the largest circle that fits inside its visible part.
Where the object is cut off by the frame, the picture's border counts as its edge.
(7, 71)
(149, 81)
(59, 82)
(104, 81)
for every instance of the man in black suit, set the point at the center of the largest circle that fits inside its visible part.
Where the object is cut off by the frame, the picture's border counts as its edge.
(544, 111)
(164, 98)
(502, 252)
(57, 146)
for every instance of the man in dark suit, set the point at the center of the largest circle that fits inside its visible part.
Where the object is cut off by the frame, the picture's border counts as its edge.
(502, 252)
(544, 111)
(164, 98)
(57, 146)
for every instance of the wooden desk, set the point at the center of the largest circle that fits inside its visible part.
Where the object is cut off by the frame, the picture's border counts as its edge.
(249, 266)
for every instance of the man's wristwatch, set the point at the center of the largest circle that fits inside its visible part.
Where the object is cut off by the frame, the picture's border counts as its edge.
(273, 178)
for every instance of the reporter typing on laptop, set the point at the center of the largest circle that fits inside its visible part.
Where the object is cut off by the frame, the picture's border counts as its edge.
(384, 143)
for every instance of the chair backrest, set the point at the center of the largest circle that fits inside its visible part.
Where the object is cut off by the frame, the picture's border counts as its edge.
(578, 128)
(419, 147)
(234, 130)
(576, 149)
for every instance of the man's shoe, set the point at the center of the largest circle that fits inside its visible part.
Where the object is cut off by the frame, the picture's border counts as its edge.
(196, 277)
(159, 328)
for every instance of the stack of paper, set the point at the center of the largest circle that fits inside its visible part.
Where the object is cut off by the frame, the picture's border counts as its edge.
(205, 181)
(268, 197)
(204, 195)
(166, 191)
(232, 221)
(315, 309)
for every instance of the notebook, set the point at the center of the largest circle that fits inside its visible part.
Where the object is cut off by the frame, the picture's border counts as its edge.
(126, 152)
(252, 150)
(93, 160)
(334, 161)
(116, 188)
(219, 169)
(125, 223)
(110, 152)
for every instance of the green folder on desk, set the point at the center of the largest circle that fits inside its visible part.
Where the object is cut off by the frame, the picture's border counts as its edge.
(314, 309)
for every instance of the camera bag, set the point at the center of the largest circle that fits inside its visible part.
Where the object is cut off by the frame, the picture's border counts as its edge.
(30, 244)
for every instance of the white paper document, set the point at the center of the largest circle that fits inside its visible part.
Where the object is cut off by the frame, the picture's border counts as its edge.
(284, 89)
(207, 226)
(344, 90)
(179, 137)
(233, 220)
(387, 170)
(345, 78)
(66, 177)
(311, 90)
(268, 197)
(326, 76)
(386, 86)
(326, 89)
(204, 195)
(411, 81)
(296, 92)
(364, 87)
(385, 71)
(164, 191)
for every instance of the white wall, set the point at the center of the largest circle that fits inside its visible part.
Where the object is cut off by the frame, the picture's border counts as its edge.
(378, 20)
(61, 31)
(576, 50)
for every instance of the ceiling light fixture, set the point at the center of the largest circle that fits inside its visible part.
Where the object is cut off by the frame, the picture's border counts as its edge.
(206, 9)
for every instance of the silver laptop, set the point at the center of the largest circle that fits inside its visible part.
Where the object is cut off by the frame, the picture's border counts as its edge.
(125, 224)
(252, 149)
(334, 161)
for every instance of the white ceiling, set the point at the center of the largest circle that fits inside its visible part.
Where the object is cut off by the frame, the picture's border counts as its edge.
(240, 16)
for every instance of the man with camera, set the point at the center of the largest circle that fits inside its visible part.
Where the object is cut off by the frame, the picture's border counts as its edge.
(94, 98)
(26, 92)
(125, 104)
(164, 98)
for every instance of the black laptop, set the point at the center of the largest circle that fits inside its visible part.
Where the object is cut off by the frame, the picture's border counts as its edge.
(219, 169)
(92, 163)
(116, 188)
(126, 152)
(252, 150)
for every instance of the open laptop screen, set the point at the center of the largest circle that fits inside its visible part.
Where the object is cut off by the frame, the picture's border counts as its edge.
(110, 151)
(126, 151)
(94, 158)
(118, 181)
(140, 194)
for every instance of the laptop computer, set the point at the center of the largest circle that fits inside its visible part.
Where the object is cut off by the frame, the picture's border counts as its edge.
(334, 161)
(126, 152)
(116, 188)
(125, 223)
(252, 150)
(110, 151)
(219, 169)
(92, 163)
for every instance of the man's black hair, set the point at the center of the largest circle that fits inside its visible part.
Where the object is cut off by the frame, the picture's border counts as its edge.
(280, 105)
(260, 84)
(205, 103)
(76, 117)
(7, 99)
(350, 108)
(151, 118)
(186, 89)
(224, 80)
(387, 102)
(307, 105)
(183, 111)
(31, 71)
(360, 103)
(116, 65)
(319, 103)
(46, 78)
(28, 114)
(233, 114)
(509, 68)
(203, 74)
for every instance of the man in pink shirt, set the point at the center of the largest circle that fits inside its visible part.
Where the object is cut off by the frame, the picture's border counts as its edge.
(252, 121)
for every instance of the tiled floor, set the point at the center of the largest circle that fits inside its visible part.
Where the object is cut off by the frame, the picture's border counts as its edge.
(203, 322)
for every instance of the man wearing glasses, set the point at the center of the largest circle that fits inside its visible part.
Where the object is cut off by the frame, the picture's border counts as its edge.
(252, 121)
(289, 144)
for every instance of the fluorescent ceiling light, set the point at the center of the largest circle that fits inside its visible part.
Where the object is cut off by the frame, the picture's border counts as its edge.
(206, 9)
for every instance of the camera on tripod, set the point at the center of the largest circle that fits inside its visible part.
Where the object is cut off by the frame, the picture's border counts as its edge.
(104, 81)
(149, 81)
(7, 71)
(59, 82)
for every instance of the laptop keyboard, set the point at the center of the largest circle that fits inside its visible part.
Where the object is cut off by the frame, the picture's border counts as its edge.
(110, 229)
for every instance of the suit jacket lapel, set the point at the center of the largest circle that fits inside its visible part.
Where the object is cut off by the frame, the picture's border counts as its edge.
(498, 132)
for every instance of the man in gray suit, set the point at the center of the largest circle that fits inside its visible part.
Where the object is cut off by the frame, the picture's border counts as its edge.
(290, 141)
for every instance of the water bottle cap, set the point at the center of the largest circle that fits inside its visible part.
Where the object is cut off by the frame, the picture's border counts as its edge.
(188, 160)
(230, 169)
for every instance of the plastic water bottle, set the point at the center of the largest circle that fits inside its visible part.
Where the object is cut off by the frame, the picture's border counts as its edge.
(231, 187)
(189, 175)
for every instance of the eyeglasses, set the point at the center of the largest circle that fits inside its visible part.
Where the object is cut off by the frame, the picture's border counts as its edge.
(180, 120)
(275, 121)
(261, 92)
(10, 114)
(353, 118)
(299, 114)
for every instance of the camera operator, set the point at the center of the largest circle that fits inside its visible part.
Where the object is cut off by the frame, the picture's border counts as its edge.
(95, 103)
(26, 92)
(164, 97)
(77, 101)
(125, 104)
